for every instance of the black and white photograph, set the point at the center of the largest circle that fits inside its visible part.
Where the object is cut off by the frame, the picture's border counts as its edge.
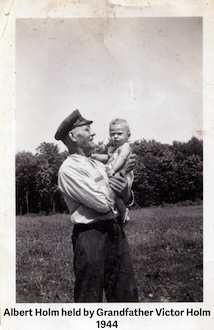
(138, 83)
(111, 204)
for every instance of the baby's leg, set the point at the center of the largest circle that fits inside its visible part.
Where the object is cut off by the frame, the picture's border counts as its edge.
(123, 210)
(120, 206)
(112, 195)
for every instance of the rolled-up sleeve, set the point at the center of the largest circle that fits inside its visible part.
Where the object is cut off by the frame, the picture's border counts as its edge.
(83, 189)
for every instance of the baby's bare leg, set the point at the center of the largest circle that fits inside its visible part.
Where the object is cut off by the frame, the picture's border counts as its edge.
(121, 208)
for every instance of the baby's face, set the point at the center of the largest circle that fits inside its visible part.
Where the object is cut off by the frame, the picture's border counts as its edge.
(119, 134)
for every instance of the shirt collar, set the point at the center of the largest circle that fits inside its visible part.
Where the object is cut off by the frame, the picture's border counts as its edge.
(78, 157)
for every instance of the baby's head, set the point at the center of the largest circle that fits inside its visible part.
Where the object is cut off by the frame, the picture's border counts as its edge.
(119, 131)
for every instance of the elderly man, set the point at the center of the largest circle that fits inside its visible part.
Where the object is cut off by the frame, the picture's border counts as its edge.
(101, 253)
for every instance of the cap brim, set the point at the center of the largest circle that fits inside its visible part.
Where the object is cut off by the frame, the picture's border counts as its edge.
(83, 122)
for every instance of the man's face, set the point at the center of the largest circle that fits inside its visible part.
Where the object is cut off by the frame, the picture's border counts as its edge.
(84, 138)
(118, 134)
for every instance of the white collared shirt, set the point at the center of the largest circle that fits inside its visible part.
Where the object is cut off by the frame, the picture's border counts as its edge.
(84, 184)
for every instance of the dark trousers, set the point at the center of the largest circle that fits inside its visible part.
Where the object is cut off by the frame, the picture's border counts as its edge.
(102, 262)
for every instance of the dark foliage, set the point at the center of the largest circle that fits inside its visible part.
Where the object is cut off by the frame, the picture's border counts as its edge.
(36, 180)
(164, 174)
(168, 174)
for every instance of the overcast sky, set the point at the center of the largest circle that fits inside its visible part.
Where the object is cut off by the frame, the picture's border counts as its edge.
(146, 70)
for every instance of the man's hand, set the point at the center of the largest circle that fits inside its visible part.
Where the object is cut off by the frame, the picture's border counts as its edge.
(119, 185)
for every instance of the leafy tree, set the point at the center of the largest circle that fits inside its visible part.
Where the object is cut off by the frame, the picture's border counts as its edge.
(168, 174)
(153, 173)
(163, 174)
(182, 150)
(36, 180)
(190, 185)
(49, 160)
(26, 168)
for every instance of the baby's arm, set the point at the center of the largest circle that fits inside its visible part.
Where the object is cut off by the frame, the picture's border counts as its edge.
(103, 158)
(125, 150)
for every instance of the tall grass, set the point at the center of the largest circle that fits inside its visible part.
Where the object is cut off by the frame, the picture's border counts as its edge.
(166, 246)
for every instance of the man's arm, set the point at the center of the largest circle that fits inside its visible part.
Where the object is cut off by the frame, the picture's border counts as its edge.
(85, 190)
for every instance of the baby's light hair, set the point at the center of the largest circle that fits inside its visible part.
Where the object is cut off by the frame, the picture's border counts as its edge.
(119, 121)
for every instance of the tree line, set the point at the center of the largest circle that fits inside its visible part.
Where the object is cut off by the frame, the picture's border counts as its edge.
(164, 174)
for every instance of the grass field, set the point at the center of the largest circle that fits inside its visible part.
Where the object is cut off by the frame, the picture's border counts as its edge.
(166, 246)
